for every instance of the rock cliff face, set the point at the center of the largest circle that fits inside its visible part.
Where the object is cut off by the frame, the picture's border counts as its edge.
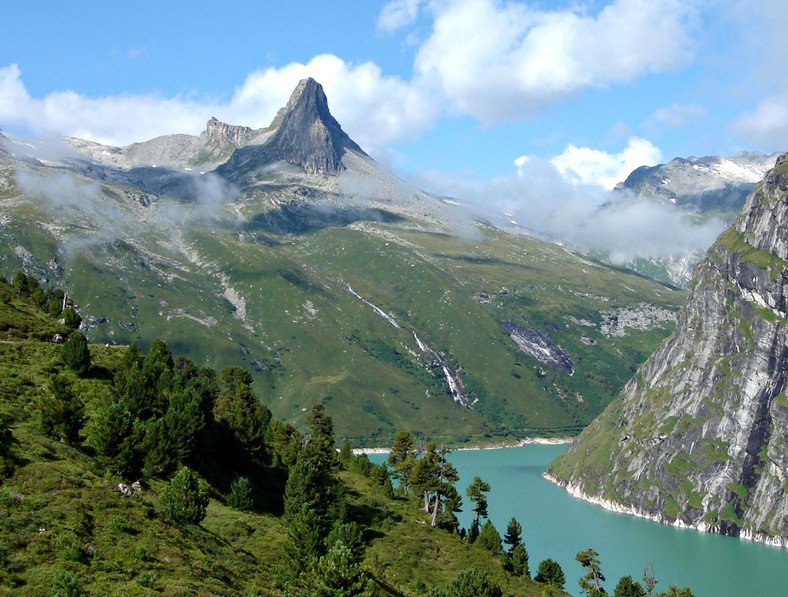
(699, 437)
(305, 134)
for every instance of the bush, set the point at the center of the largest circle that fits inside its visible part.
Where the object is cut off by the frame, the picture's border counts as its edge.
(241, 495)
(183, 499)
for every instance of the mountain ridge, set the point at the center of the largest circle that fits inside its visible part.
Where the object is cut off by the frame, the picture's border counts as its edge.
(698, 436)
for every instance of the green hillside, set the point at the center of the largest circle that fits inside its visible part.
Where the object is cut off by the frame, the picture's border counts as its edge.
(329, 304)
(66, 527)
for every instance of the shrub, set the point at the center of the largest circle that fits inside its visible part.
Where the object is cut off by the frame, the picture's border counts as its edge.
(241, 495)
(183, 499)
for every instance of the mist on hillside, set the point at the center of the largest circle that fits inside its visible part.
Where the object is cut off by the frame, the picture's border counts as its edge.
(540, 202)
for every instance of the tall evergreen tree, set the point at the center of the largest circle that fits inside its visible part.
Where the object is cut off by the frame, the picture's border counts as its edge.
(626, 587)
(402, 458)
(476, 492)
(489, 538)
(320, 447)
(61, 410)
(513, 535)
(592, 579)
(117, 439)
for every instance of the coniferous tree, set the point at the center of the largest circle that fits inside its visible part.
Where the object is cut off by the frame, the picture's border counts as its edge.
(61, 410)
(241, 496)
(473, 531)
(626, 587)
(117, 438)
(302, 551)
(649, 579)
(76, 354)
(476, 492)
(513, 535)
(402, 458)
(591, 580)
(550, 572)
(319, 448)
(519, 560)
(183, 499)
(489, 538)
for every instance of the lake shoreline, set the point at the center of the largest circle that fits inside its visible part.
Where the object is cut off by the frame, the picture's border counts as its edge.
(548, 441)
(617, 508)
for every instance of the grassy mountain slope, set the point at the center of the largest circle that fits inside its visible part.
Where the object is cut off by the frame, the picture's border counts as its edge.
(285, 281)
(63, 522)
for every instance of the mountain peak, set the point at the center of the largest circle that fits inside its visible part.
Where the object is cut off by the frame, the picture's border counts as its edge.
(307, 134)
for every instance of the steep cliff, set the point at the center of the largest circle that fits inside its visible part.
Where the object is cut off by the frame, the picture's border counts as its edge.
(699, 437)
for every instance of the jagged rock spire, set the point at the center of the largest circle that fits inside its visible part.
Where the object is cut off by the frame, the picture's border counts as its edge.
(307, 134)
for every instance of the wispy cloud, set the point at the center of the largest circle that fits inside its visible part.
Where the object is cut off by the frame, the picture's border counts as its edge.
(541, 201)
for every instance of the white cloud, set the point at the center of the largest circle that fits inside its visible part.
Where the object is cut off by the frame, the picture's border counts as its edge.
(500, 61)
(398, 13)
(594, 166)
(767, 125)
(372, 108)
(585, 217)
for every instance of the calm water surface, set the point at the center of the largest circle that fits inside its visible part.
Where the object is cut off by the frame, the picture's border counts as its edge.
(557, 526)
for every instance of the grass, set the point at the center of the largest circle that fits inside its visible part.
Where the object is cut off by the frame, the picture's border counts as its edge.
(63, 521)
(305, 337)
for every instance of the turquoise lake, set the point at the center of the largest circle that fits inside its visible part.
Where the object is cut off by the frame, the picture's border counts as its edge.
(557, 525)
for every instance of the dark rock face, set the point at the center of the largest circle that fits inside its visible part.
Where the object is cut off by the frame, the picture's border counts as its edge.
(307, 134)
(539, 346)
(699, 437)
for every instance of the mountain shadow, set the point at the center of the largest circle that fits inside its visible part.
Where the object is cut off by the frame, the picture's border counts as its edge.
(300, 218)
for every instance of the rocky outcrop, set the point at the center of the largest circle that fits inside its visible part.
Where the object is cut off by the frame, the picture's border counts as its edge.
(227, 134)
(303, 133)
(699, 437)
(540, 346)
(710, 182)
(307, 134)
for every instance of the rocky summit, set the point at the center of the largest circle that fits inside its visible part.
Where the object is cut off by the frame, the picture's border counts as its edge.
(698, 438)
(305, 135)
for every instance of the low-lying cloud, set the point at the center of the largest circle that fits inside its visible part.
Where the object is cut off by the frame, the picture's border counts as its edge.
(538, 200)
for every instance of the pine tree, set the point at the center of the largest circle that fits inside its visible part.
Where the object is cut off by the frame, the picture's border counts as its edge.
(519, 560)
(402, 458)
(513, 535)
(76, 354)
(476, 493)
(626, 587)
(489, 538)
(62, 412)
(183, 499)
(589, 559)
(319, 448)
(117, 440)
(550, 572)
(241, 496)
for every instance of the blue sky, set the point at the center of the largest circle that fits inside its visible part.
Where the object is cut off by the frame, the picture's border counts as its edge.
(431, 88)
